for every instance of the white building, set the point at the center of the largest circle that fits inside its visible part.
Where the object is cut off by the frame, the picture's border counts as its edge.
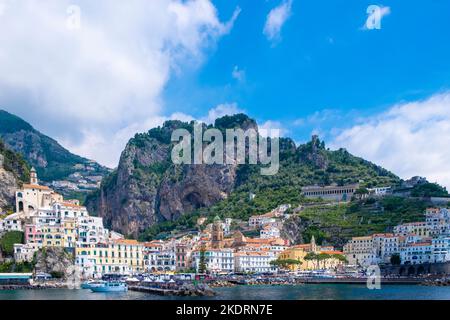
(261, 220)
(380, 191)
(441, 249)
(333, 192)
(253, 261)
(417, 253)
(33, 196)
(216, 260)
(385, 245)
(269, 231)
(13, 222)
(360, 251)
(24, 252)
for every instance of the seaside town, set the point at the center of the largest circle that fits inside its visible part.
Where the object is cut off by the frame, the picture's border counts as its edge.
(47, 220)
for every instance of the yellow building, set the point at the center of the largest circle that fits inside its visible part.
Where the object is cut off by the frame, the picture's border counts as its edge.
(119, 256)
(52, 236)
(299, 253)
(69, 227)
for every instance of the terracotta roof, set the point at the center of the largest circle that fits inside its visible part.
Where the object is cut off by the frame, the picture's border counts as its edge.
(420, 244)
(71, 205)
(35, 186)
(332, 252)
(384, 235)
(127, 241)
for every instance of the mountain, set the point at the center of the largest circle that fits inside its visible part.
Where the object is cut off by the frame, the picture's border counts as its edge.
(13, 171)
(52, 161)
(148, 193)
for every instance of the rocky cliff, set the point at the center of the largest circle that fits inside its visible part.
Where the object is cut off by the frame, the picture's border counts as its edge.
(51, 160)
(13, 171)
(54, 261)
(147, 188)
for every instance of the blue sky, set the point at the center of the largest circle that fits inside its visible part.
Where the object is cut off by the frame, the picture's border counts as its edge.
(324, 61)
(92, 74)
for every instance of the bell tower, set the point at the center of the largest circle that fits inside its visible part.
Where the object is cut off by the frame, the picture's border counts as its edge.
(33, 176)
(217, 234)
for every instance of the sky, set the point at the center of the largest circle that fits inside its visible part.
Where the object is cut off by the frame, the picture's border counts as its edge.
(377, 82)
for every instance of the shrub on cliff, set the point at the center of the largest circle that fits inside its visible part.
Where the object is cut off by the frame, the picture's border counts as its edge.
(8, 240)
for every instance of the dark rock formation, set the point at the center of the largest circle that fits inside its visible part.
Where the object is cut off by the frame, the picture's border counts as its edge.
(293, 229)
(13, 171)
(148, 188)
(54, 261)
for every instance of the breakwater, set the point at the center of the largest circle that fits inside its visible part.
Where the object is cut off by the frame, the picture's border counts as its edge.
(184, 290)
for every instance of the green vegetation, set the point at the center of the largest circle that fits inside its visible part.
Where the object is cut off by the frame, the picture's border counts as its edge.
(309, 164)
(164, 229)
(323, 257)
(202, 262)
(395, 259)
(37, 148)
(297, 171)
(11, 267)
(14, 163)
(429, 190)
(285, 263)
(338, 223)
(57, 274)
(8, 240)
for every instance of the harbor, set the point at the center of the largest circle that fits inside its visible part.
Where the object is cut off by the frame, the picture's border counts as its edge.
(254, 292)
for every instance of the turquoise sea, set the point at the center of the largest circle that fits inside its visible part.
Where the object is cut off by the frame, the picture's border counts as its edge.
(263, 292)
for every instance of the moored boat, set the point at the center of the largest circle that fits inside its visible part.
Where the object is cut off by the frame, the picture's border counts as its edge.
(91, 284)
(111, 287)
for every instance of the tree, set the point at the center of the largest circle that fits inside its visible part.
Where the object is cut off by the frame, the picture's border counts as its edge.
(323, 257)
(9, 239)
(395, 259)
(202, 263)
(340, 257)
(429, 190)
(311, 256)
(285, 263)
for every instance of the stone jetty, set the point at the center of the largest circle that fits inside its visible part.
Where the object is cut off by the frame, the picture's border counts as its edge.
(185, 289)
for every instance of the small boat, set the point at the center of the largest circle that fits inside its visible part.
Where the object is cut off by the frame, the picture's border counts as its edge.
(92, 284)
(115, 286)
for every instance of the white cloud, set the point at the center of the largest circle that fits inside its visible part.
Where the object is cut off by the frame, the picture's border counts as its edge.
(91, 88)
(409, 139)
(238, 74)
(276, 19)
(220, 111)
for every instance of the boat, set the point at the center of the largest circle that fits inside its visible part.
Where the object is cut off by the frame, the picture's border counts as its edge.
(91, 284)
(111, 286)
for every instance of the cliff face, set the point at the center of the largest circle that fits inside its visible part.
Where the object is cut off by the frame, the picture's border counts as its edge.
(51, 160)
(8, 187)
(13, 171)
(148, 188)
(54, 261)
